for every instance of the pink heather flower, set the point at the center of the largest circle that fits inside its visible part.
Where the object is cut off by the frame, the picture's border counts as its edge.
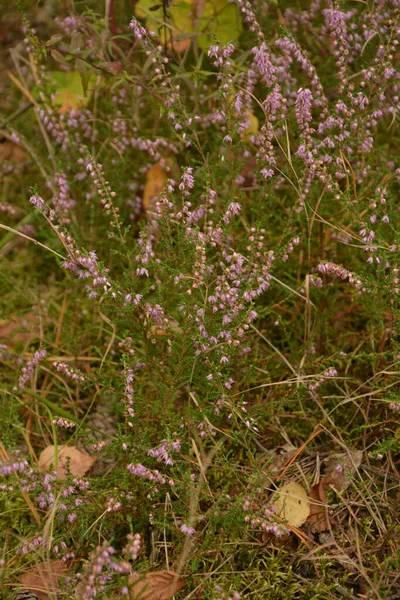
(15, 467)
(234, 208)
(330, 373)
(262, 63)
(140, 471)
(266, 173)
(99, 446)
(73, 374)
(187, 181)
(61, 422)
(187, 530)
(37, 202)
(303, 109)
(28, 370)
(138, 31)
(113, 505)
(161, 453)
(229, 383)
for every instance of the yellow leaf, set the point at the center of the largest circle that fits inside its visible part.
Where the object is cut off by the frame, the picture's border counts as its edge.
(293, 504)
(69, 92)
(252, 128)
(184, 19)
(70, 459)
(156, 179)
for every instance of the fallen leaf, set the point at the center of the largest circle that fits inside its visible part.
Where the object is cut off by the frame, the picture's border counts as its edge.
(279, 457)
(19, 329)
(318, 518)
(11, 152)
(252, 126)
(43, 579)
(69, 93)
(293, 504)
(212, 19)
(158, 585)
(340, 469)
(78, 462)
(156, 178)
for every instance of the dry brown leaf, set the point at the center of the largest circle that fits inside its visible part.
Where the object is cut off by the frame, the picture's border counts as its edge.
(293, 504)
(19, 329)
(11, 152)
(43, 578)
(279, 457)
(158, 585)
(156, 178)
(318, 518)
(340, 469)
(78, 462)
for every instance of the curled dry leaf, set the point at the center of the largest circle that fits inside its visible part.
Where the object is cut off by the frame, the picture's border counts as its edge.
(318, 518)
(43, 579)
(156, 179)
(340, 469)
(70, 459)
(158, 585)
(293, 504)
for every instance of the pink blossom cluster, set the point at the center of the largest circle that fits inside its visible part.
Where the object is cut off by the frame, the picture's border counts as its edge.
(63, 422)
(161, 453)
(13, 467)
(222, 595)
(99, 571)
(133, 546)
(69, 372)
(142, 472)
(29, 368)
(334, 270)
(129, 395)
(328, 373)
(266, 521)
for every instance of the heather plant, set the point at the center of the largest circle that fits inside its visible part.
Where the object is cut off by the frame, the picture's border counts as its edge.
(199, 290)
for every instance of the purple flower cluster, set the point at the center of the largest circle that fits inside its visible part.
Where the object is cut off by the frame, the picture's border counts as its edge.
(69, 372)
(161, 453)
(333, 270)
(133, 546)
(328, 373)
(65, 423)
(87, 267)
(263, 519)
(29, 368)
(142, 472)
(129, 396)
(13, 467)
(100, 570)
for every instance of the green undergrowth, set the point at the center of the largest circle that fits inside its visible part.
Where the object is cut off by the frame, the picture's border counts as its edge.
(199, 288)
